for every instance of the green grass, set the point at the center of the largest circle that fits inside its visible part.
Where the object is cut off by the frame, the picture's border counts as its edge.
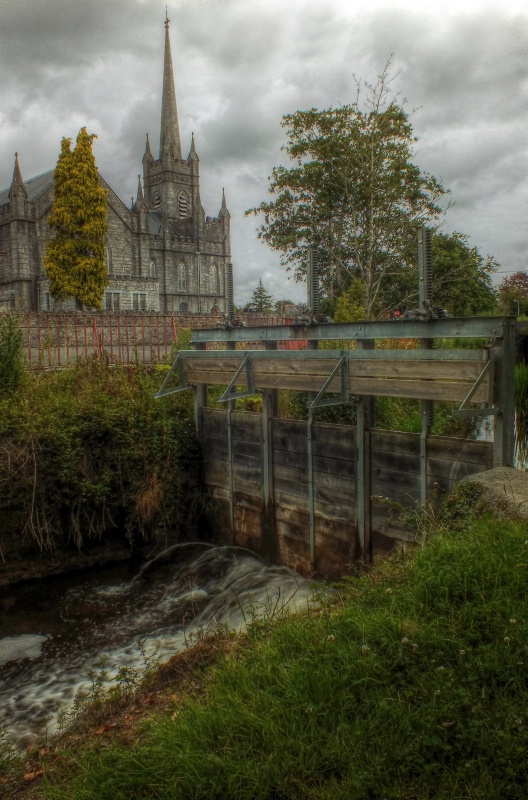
(411, 684)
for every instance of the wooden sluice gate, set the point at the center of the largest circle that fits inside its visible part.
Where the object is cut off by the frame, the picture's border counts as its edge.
(317, 496)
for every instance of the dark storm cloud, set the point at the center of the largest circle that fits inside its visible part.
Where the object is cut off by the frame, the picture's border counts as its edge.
(240, 65)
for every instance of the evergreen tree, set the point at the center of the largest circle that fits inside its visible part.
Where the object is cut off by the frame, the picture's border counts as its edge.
(75, 257)
(261, 300)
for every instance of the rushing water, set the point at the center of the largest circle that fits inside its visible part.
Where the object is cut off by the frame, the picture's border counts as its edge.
(55, 631)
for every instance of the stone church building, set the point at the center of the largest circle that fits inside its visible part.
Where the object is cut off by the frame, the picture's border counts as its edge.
(163, 253)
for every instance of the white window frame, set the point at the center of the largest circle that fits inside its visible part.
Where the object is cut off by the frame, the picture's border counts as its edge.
(139, 301)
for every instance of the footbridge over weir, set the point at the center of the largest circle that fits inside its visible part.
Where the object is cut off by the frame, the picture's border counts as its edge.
(318, 496)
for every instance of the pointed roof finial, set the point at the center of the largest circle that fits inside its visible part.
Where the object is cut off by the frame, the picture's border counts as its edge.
(193, 155)
(147, 156)
(223, 210)
(170, 131)
(167, 20)
(140, 190)
(17, 182)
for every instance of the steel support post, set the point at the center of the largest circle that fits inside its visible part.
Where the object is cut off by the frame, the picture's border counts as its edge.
(269, 412)
(365, 414)
(200, 400)
(427, 421)
(230, 468)
(311, 487)
(503, 398)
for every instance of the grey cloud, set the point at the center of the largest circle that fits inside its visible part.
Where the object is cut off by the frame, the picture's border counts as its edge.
(239, 67)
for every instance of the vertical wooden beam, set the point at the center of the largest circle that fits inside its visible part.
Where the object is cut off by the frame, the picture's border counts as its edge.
(365, 417)
(427, 419)
(503, 397)
(311, 487)
(312, 345)
(230, 469)
(270, 408)
(268, 526)
(200, 400)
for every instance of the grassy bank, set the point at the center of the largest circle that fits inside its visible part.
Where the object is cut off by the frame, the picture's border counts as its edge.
(411, 682)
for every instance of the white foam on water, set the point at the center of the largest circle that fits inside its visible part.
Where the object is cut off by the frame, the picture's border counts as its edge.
(16, 648)
(130, 624)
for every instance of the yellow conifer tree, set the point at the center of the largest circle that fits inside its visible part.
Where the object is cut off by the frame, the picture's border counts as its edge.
(75, 256)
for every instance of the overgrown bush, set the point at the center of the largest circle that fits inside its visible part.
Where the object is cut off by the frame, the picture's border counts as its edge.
(88, 451)
(11, 359)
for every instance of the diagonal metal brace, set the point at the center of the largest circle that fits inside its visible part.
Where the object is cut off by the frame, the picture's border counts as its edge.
(231, 392)
(341, 367)
(463, 411)
(165, 389)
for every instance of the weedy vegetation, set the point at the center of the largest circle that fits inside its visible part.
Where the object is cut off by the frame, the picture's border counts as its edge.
(88, 453)
(409, 682)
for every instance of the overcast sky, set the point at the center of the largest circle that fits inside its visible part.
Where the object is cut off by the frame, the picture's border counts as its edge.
(240, 65)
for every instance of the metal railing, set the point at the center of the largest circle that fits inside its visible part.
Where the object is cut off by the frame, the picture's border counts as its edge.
(53, 341)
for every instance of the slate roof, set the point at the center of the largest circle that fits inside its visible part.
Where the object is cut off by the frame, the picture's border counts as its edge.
(34, 187)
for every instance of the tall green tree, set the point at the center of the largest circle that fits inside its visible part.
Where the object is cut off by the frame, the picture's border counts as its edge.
(75, 256)
(353, 194)
(462, 277)
(261, 300)
(513, 294)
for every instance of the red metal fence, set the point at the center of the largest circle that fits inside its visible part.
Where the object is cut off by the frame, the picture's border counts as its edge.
(59, 340)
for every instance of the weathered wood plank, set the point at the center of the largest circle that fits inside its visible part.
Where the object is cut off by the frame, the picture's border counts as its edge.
(215, 474)
(285, 499)
(293, 532)
(245, 452)
(447, 470)
(395, 441)
(405, 493)
(329, 441)
(460, 449)
(331, 466)
(265, 369)
(249, 478)
(441, 380)
(383, 523)
(393, 478)
(404, 462)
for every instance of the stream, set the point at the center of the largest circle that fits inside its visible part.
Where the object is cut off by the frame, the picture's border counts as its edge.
(54, 631)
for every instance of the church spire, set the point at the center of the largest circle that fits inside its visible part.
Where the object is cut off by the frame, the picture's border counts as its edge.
(148, 155)
(140, 197)
(170, 132)
(193, 155)
(17, 182)
(223, 209)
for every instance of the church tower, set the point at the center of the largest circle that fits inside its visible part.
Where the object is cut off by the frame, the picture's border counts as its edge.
(162, 254)
(190, 251)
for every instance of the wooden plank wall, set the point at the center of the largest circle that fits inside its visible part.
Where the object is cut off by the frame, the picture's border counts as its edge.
(395, 474)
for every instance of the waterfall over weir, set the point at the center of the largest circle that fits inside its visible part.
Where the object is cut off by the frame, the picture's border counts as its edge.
(59, 629)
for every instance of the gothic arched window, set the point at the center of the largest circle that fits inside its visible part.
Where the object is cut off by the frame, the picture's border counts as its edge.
(183, 308)
(182, 277)
(153, 268)
(214, 279)
(183, 204)
(156, 200)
